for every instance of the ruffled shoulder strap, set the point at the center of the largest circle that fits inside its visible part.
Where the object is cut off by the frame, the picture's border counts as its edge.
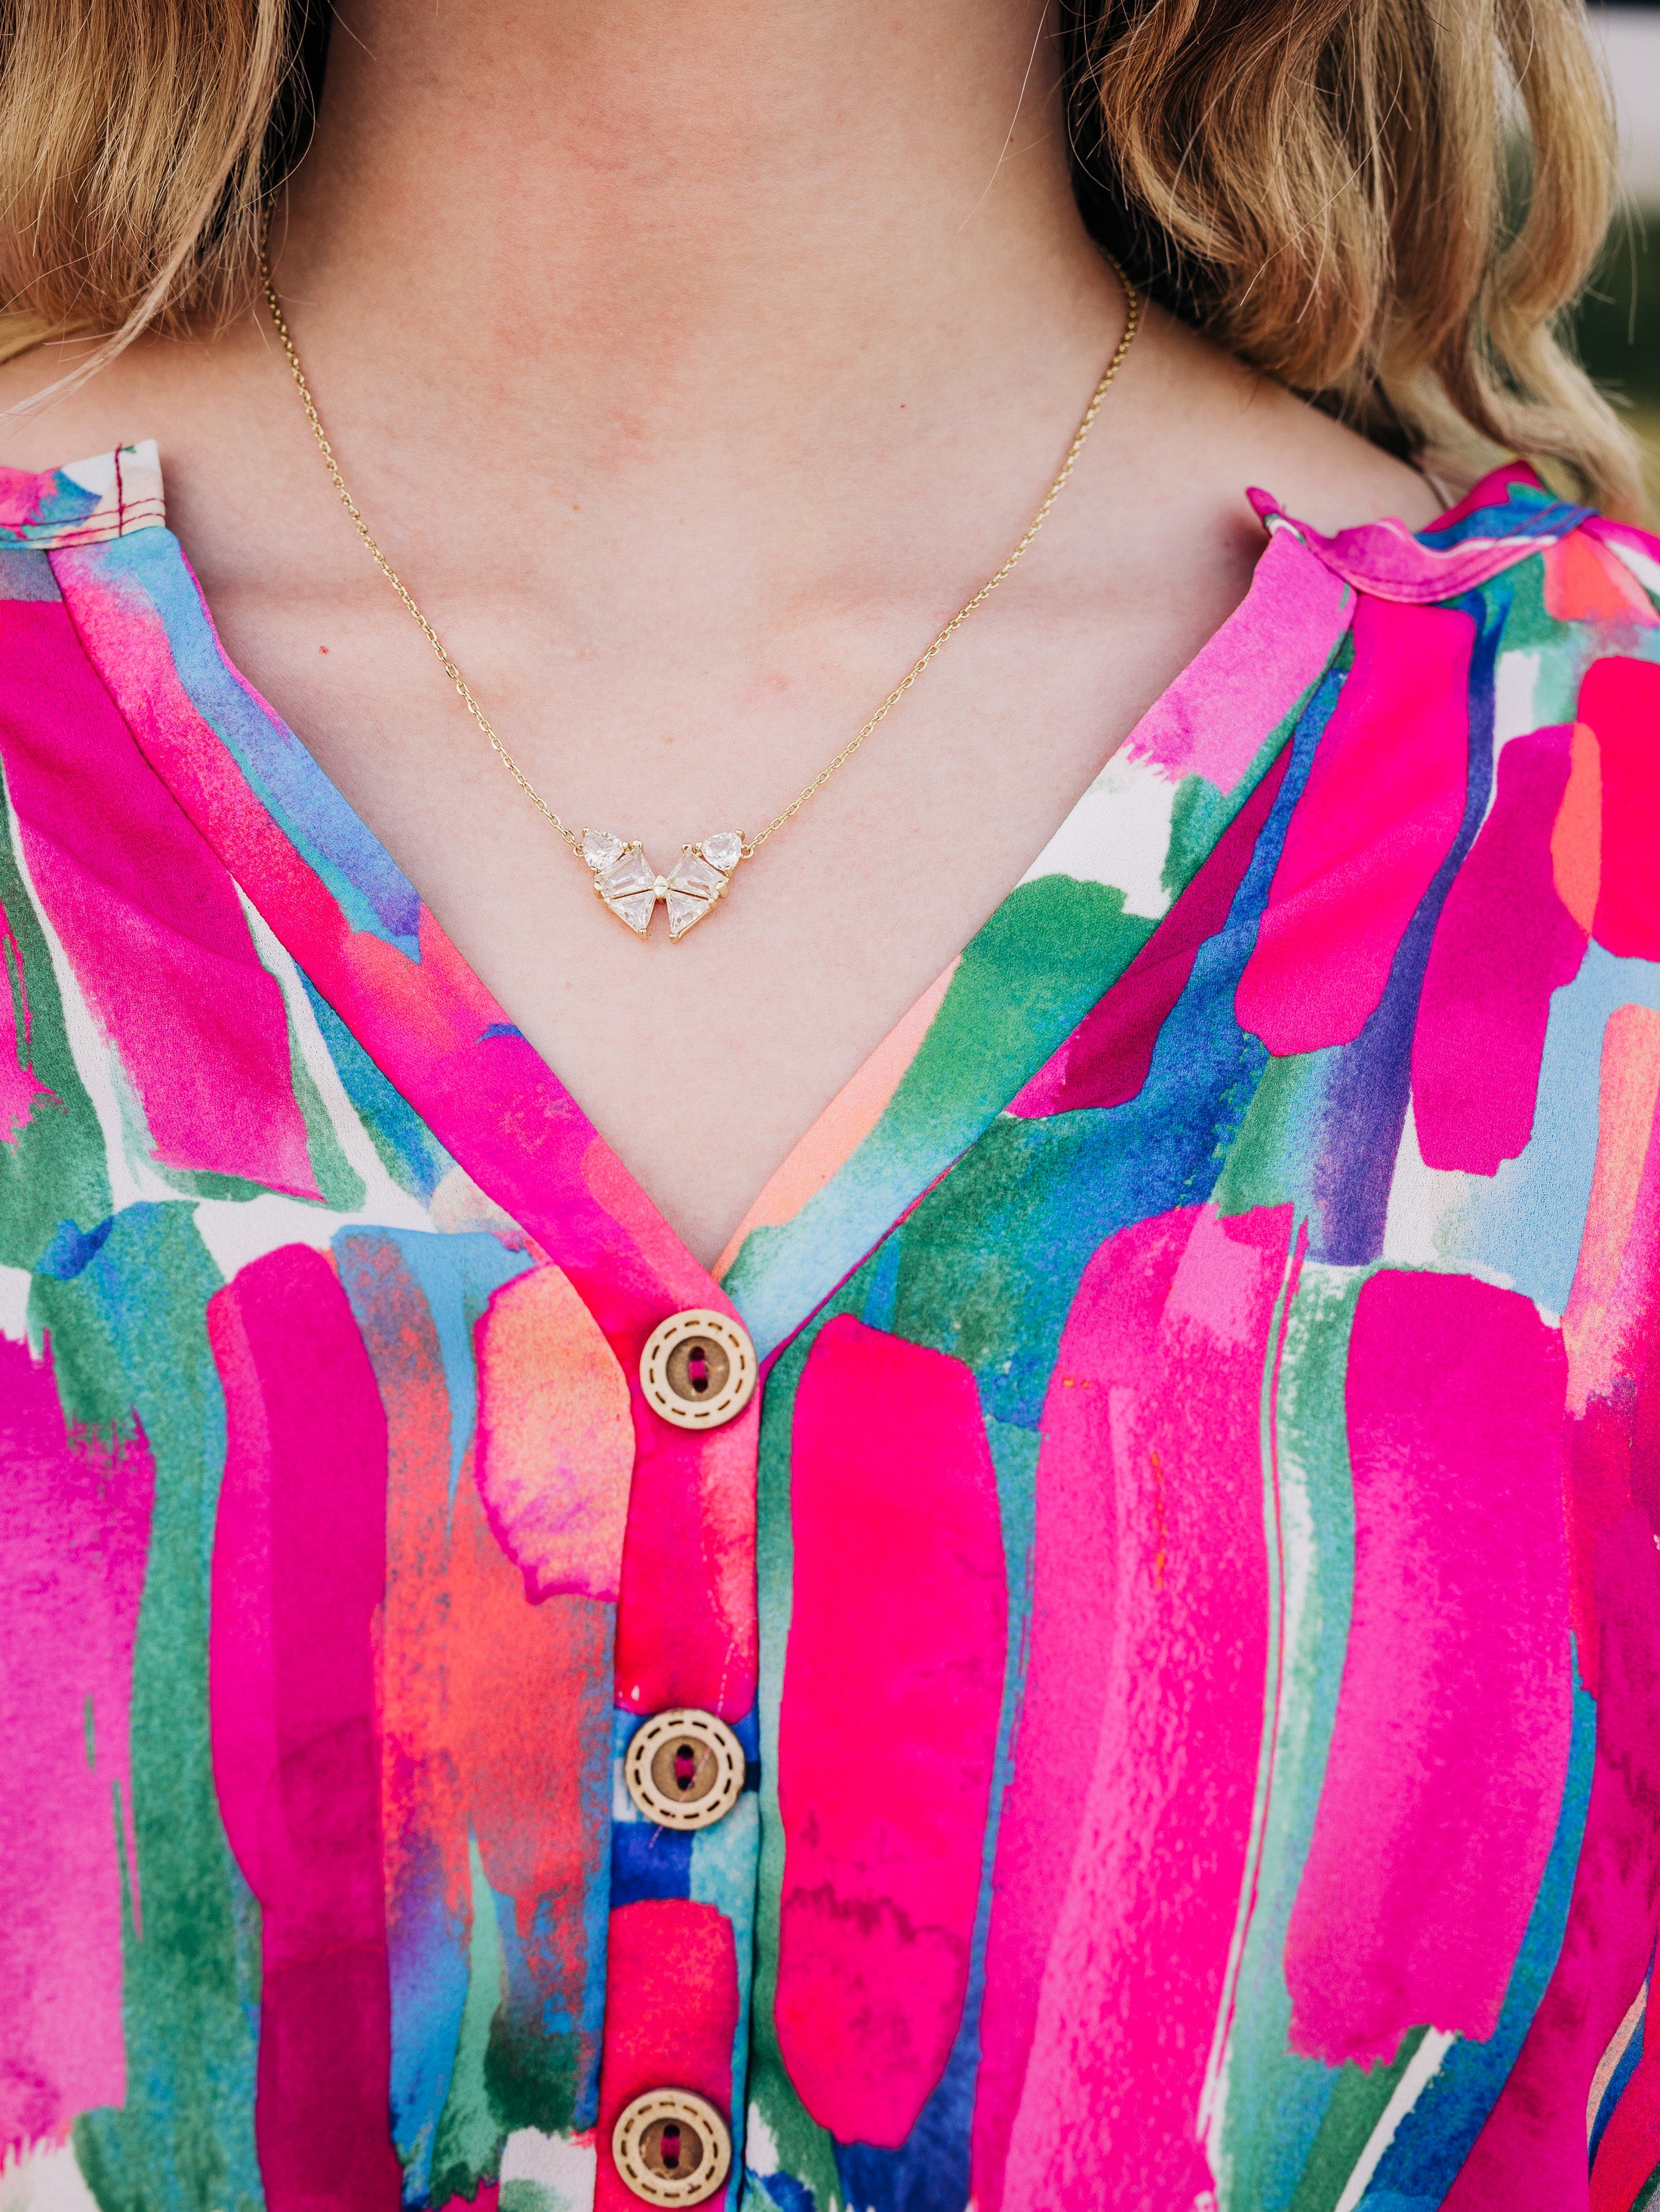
(1507, 518)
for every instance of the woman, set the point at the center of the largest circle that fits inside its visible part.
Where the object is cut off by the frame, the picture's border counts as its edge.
(1095, 1644)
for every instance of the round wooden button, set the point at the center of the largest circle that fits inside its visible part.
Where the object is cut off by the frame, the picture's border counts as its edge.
(671, 2148)
(684, 1769)
(698, 1370)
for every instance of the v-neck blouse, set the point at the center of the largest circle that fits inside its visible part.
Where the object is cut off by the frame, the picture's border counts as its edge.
(1186, 1588)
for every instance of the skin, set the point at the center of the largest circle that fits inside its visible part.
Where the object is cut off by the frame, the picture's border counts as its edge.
(693, 366)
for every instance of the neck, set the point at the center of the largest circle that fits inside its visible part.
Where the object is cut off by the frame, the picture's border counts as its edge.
(630, 227)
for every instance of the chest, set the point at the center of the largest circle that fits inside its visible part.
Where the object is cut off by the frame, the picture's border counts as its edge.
(705, 1060)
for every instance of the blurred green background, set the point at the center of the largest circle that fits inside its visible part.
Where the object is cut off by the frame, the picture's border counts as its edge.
(1618, 330)
(1619, 320)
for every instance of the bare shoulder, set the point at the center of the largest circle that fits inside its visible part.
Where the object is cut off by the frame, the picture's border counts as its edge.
(1212, 428)
(184, 393)
(41, 427)
(197, 398)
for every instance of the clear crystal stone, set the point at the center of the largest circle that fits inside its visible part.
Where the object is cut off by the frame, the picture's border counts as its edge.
(684, 912)
(636, 910)
(600, 848)
(631, 872)
(724, 850)
(691, 872)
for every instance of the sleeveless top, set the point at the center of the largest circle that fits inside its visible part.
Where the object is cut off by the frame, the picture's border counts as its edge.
(1185, 1589)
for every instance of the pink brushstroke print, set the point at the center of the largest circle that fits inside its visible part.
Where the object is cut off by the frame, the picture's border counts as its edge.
(1377, 817)
(1505, 942)
(298, 1575)
(1450, 1743)
(1223, 708)
(899, 1618)
(75, 1516)
(149, 921)
(1122, 1844)
(1620, 699)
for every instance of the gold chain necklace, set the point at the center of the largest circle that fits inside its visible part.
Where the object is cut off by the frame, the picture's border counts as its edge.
(623, 878)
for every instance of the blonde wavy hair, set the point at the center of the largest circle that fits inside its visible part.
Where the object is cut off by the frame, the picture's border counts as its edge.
(1329, 187)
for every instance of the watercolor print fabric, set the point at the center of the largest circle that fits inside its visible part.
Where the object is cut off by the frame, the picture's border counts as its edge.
(1187, 1589)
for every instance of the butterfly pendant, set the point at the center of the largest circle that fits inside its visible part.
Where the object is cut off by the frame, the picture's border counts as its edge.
(626, 881)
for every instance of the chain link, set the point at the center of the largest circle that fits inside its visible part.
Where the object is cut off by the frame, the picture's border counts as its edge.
(573, 838)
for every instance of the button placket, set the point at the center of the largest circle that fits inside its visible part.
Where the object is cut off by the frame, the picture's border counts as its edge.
(679, 1952)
